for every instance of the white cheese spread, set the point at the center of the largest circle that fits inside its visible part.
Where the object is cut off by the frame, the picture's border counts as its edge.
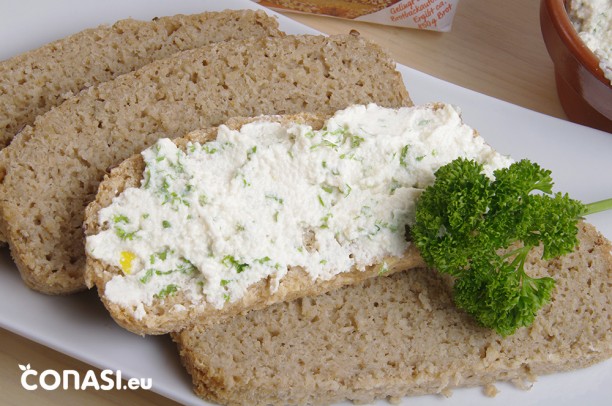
(218, 217)
(593, 22)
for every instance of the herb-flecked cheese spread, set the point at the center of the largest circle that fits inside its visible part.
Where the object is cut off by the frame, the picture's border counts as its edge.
(592, 19)
(214, 219)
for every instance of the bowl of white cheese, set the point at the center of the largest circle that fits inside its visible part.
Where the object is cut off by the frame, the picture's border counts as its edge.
(578, 37)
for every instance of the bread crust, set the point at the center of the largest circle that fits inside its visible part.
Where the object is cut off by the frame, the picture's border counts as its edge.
(161, 316)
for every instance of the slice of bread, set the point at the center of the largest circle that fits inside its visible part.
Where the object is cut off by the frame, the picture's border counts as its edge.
(175, 312)
(401, 335)
(51, 171)
(38, 80)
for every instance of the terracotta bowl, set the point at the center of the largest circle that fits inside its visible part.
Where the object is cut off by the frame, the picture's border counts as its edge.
(585, 93)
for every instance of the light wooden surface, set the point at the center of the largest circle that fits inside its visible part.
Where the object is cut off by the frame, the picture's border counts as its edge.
(495, 47)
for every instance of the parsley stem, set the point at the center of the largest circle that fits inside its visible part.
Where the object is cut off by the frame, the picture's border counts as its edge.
(596, 207)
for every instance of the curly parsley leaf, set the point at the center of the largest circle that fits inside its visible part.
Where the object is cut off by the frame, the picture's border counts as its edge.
(465, 220)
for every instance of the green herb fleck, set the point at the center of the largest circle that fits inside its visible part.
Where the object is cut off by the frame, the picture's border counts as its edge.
(167, 291)
(203, 200)
(186, 267)
(325, 221)
(208, 149)
(327, 188)
(166, 224)
(275, 198)
(394, 186)
(124, 235)
(347, 190)
(120, 218)
(263, 260)
(147, 276)
(231, 262)
(404, 155)
(356, 141)
(251, 151)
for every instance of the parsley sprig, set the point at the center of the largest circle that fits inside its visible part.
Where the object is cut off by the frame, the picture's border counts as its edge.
(480, 231)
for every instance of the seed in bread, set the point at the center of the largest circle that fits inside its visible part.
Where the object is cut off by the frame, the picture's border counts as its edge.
(401, 336)
(208, 220)
(51, 171)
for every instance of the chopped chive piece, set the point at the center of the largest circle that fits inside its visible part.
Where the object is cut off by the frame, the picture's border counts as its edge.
(356, 141)
(263, 260)
(327, 188)
(167, 291)
(121, 233)
(147, 276)
(186, 267)
(403, 155)
(120, 218)
(231, 262)
(275, 198)
(209, 150)
(321, 202)
(251, 151)
(348, 189)
(203, 200)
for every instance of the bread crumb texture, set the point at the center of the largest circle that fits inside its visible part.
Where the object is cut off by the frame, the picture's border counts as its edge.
(401, 335)
(34, 82)
(51, 171)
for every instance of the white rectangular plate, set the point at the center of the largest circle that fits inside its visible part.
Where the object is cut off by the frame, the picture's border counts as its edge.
(79, 325)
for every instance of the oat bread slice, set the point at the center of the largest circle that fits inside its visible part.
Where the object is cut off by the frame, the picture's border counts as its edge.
(401, 336)
(51, 171)
(176, 312)
(34, 82)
